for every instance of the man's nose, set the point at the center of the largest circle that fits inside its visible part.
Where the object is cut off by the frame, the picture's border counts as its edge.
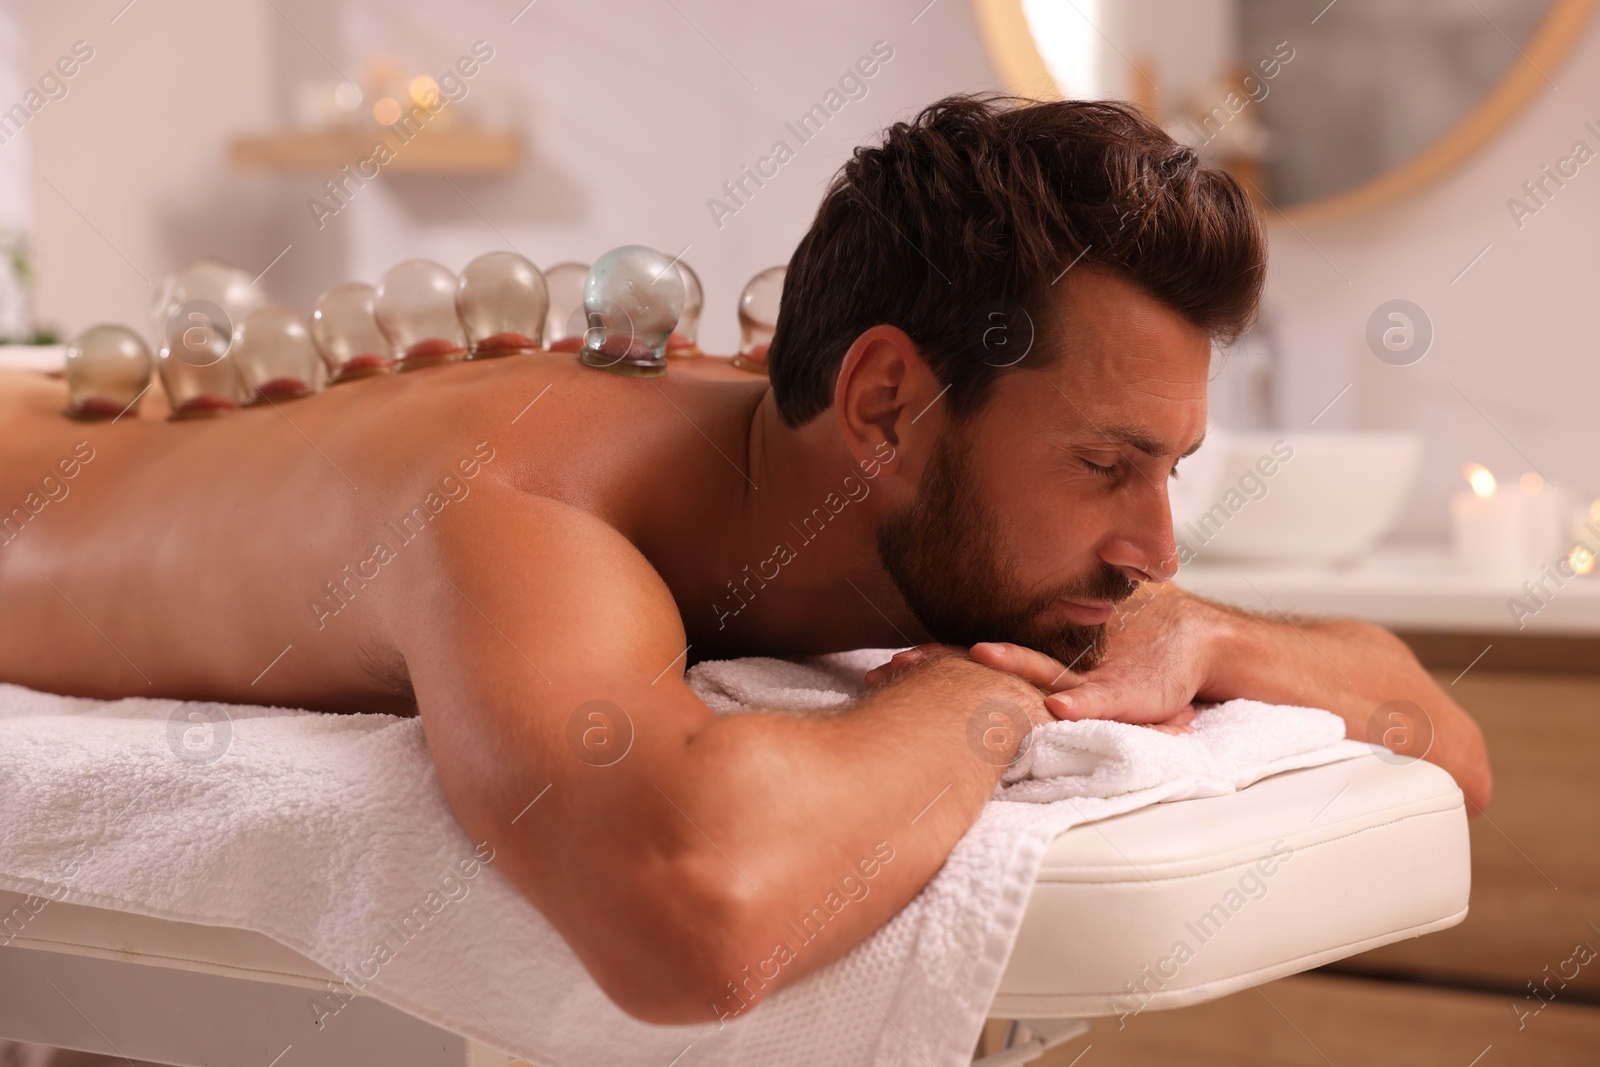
(1142, 545)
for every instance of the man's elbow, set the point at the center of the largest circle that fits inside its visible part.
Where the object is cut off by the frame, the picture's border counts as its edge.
(1476, 782)
(1452, 738)
(1478, 796)
(699, 962)
(1472, 771)
(1458, 746)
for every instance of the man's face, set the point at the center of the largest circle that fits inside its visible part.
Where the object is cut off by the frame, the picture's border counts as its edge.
(1049, 505)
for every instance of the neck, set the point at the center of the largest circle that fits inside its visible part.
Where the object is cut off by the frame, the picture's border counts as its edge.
(788, 563)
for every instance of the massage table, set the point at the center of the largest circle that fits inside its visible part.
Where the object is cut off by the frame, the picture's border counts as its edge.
(1298, 870)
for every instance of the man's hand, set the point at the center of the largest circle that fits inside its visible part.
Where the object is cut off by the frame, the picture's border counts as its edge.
(1046, 673)
(1160, 656)
(931, 654)
(1157, 662)
(1167, 649)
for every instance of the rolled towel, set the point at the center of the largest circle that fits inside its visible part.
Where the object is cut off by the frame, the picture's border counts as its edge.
(1099, 758)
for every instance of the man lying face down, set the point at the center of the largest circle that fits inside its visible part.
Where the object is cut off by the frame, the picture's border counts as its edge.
(992, 356)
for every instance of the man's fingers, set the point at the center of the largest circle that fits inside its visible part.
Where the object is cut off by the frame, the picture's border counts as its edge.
(1180, 723)
(1137, 705)
(1110, 700)
(1043, 671)
(1084, 702)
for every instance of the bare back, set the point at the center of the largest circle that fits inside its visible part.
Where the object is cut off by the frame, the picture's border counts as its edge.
(301, 526)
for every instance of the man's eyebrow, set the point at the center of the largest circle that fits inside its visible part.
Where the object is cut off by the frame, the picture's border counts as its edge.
(1150, 446)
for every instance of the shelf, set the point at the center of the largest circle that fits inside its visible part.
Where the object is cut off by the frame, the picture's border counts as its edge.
(1416, 590)
(457, 152)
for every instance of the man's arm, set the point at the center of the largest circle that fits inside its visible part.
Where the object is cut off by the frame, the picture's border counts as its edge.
(706, 850)
(1167, 648)
(1364, 674)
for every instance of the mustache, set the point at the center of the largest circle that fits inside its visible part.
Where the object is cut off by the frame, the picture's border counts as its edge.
(1107, 584)
(1079, 647)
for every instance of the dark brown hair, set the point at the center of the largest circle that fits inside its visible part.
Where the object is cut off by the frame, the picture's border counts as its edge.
(963, 218)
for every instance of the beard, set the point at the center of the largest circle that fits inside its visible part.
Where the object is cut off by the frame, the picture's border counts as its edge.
(946, 556)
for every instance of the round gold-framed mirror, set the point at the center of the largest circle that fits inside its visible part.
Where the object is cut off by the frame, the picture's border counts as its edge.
(1012, 29)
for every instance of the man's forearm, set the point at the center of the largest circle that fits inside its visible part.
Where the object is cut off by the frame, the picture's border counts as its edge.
(1357, 671)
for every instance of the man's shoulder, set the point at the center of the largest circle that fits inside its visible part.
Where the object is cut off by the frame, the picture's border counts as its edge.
(501, 519)
(549, 549)
(537, 582)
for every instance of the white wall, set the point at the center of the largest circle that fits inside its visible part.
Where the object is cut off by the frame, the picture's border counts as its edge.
(16, 178)
(635, 120)
(16, 149)
(130, 181)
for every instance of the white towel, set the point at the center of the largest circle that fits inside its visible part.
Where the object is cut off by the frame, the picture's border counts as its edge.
(1230, 744)
(329, 833)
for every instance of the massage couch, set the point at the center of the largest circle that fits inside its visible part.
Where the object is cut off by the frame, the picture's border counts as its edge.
(1300, 869)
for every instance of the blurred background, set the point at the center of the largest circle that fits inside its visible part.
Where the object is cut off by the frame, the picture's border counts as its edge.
(1424, 168)
(212, 129)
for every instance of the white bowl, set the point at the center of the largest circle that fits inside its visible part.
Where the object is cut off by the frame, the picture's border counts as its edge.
(1292, 497)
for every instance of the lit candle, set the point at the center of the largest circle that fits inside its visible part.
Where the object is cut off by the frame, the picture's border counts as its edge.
(1491, 528)
(1583, 537)
(1545, 510)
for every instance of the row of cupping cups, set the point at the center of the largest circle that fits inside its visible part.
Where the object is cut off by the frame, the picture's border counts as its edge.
(224, 346)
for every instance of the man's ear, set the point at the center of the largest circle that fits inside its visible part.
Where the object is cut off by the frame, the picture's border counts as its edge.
(883, 391)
